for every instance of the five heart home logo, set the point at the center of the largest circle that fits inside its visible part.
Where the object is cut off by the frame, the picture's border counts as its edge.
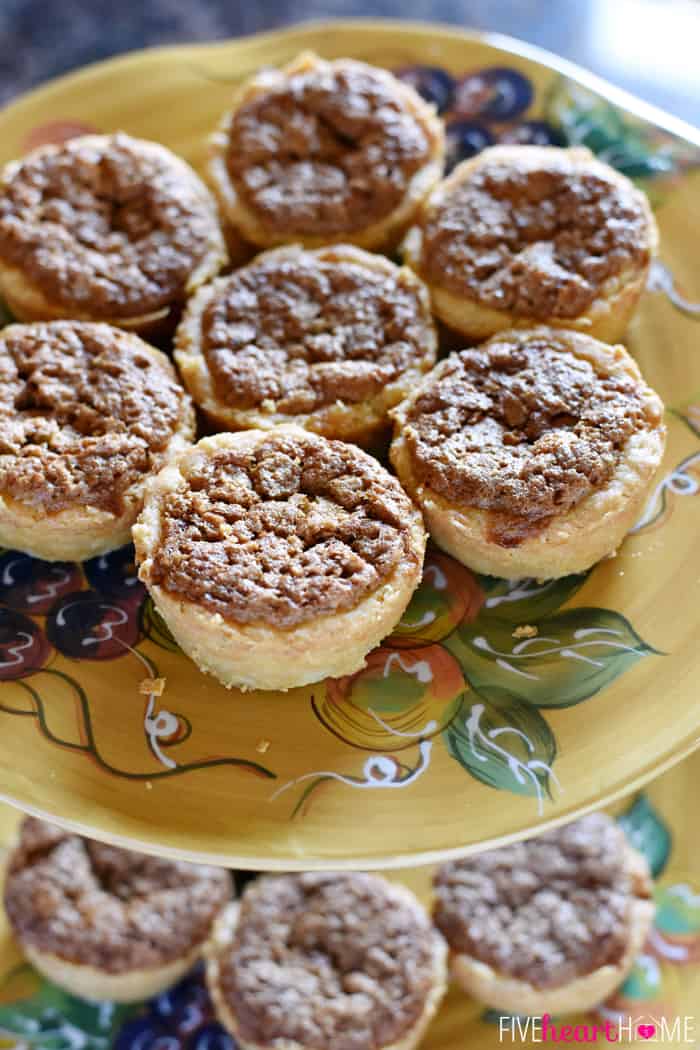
(619, 1029)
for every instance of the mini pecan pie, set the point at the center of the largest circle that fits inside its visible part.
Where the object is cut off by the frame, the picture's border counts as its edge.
(278, 557)
(323, 961)
(533, 454)
(108, 923)
(87, 413)
(552, 925)
(329, 339)
(323, 152)
(105, 228)
(524, 235)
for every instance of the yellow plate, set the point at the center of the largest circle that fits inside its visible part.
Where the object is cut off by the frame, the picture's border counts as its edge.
(663, 990)
(458, 733)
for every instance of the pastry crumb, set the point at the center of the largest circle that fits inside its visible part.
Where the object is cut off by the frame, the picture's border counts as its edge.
(152, 686)
(613, 554)
(149, 785)
(526, 630)
(262, 746)
(268, 405)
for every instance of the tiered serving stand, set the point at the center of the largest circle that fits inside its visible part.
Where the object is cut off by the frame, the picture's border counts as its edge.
(460, 734)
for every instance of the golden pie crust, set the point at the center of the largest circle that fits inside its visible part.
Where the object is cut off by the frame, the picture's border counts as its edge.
(329, 339)
(278, 558)
(531, 455)
(106, 923)
(431, 957)
(519, 996)
(87, 413)
(525, 235)
(105, 228)
(325, 152)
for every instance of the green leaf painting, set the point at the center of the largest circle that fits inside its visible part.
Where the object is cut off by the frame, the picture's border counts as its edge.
(645, 981)
(677, 910)
(587, 119)
(572, 656)
(504, 743)
(525, 601)
(490, 1016)
(53, 1020)
(523, 654)
(648, 833)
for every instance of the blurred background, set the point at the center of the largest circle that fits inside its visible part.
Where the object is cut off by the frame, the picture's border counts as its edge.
(650, 47)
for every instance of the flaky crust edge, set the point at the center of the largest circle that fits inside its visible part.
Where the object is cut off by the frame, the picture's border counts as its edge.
(520, 997)
(257, 655)
(88, 982)
(571, 542)
(224, 932)
(28, 302)
(80, 532)
(607, 318)
(363, 423)
(382, 235)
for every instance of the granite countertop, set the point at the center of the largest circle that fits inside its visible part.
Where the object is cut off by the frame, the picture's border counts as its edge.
(647, 46)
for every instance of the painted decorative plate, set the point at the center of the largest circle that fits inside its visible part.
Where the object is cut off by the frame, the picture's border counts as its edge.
(460, 732)
(662, 994)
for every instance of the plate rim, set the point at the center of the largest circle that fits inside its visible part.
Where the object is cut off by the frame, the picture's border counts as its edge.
(621, 97)
(394, 862)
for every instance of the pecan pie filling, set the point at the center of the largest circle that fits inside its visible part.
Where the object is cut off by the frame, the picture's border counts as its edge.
(327, 961)
(96, 905)
(545, 911)
(523, 429)
(294, 528)
(536, 241)
(112, 228)
(326, 151)
(86, 412)
(307, 329)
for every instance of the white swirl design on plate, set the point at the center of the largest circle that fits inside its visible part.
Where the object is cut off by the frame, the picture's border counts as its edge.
(680, 482)
(518, 590)
(661, 279)
(378, 771)
(528, 649)
(157, 725)
(483, 746)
